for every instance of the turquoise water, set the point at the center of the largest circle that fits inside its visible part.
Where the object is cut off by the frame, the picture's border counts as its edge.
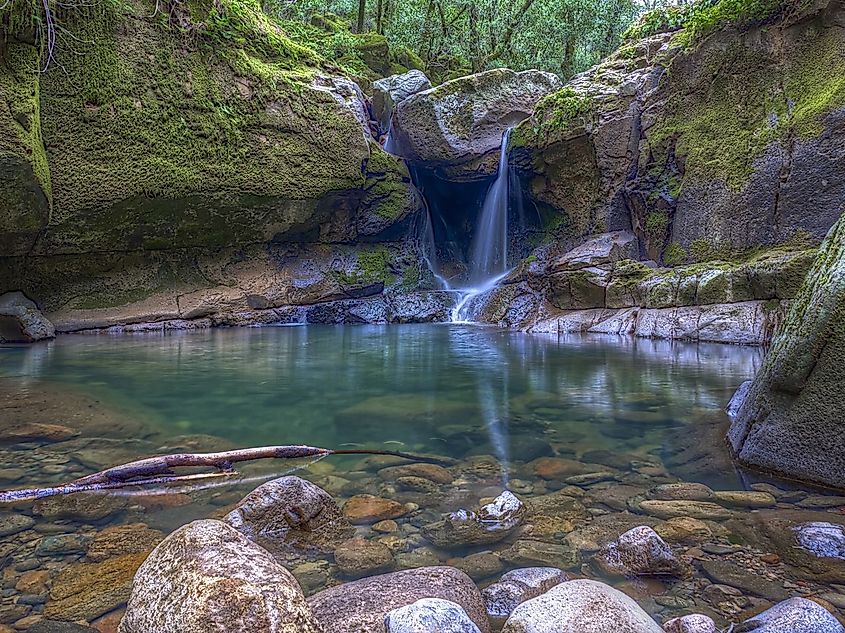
(446, 389)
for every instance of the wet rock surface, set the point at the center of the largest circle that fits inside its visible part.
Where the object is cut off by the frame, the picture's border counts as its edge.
(290, 512)
(208, 576)
(490, 524)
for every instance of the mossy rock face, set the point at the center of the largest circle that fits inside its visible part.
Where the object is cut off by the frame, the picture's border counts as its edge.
(790, 422)
(737, 138)
(24, 176)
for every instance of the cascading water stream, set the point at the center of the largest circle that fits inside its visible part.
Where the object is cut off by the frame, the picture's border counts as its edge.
(488, 259)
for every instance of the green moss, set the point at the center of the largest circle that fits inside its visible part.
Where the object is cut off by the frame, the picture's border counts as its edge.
(374, 265)
(674, 255)
(720, 122)
(553, 114)
(20, 108)
(656, 224)
(159, 138)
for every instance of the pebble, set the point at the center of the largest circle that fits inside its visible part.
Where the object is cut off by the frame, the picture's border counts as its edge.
(386, 527)
(14, 523)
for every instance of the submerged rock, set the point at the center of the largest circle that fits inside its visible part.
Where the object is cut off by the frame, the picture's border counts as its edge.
(21, 321)
(207, 576)
(518, 586)
(640, 552)
(364, 509)
(796, 615)
(490, 524)
(430, 615)
(359, 557)
(581, 605)
(362, 605)
(290, 512)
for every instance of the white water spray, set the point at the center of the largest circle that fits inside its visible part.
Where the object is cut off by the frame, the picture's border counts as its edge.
(488, 259)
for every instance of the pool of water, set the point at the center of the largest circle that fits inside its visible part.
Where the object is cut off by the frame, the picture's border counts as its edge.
(445, 389)
(628, 414)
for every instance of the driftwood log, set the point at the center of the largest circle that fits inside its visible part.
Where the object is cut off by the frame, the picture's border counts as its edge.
(158, 470)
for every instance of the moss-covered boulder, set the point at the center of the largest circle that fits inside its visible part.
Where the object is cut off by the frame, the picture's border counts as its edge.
(726, 132)
(162, 151)
(790, 422)
(464, 119)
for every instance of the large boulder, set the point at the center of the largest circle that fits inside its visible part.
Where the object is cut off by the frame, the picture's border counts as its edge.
(21, 321)
(391, 91)
(790, 421)
(518, 586)
(290, 512)
(232, 167)
(362, 605)
(796, 615)
(585, 606)
(652, 139)
(207, 576)
(465, 118)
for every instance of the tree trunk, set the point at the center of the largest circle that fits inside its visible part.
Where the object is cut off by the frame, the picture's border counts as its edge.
(362, 7)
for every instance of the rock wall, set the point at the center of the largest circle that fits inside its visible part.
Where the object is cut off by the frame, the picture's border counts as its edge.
(700, 147)
(142, 169)
(790, 421)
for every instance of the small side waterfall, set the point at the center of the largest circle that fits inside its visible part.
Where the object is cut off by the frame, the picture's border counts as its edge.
(488, 262)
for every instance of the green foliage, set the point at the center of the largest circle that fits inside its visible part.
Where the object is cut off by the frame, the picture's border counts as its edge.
(702, 17)
(660, 20)
(674, 255)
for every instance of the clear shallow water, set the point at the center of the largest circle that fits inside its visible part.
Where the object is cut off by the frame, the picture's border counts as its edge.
(447, 389)
(628, 413)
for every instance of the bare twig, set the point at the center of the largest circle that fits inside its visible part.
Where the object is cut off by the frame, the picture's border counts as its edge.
(158, 469)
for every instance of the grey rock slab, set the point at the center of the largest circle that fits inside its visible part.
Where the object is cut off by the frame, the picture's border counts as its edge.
(796, 615)
(430, 615)
(585, 606)
(362, 605)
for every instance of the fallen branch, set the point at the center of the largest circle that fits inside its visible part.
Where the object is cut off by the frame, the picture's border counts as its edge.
(158, 469)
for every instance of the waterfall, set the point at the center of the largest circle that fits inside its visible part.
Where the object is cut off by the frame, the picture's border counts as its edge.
(488, 261)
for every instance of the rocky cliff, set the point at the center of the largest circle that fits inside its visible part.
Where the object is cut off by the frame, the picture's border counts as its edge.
(701, 143)
(789, 421)
(190, 165)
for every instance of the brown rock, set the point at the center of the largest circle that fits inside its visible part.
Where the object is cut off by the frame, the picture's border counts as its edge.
(432, 472)
(206, 576)
(80, 506)
(33, 582)
(36, 432)
(561, 468)
(109, 622)
(359, 557)
(361, 606)
(120, 540)
(85, 591)
(363, 509)
(386, 527)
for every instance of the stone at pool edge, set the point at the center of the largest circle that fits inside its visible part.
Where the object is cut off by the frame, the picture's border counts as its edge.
(430, 615)
(518, 586)
(21, 321)
(796, 615)
(640, 552)
(581, 605)
(226, 583)
(362, 605)
(695, 623)
(290, 512)
(360, 557)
